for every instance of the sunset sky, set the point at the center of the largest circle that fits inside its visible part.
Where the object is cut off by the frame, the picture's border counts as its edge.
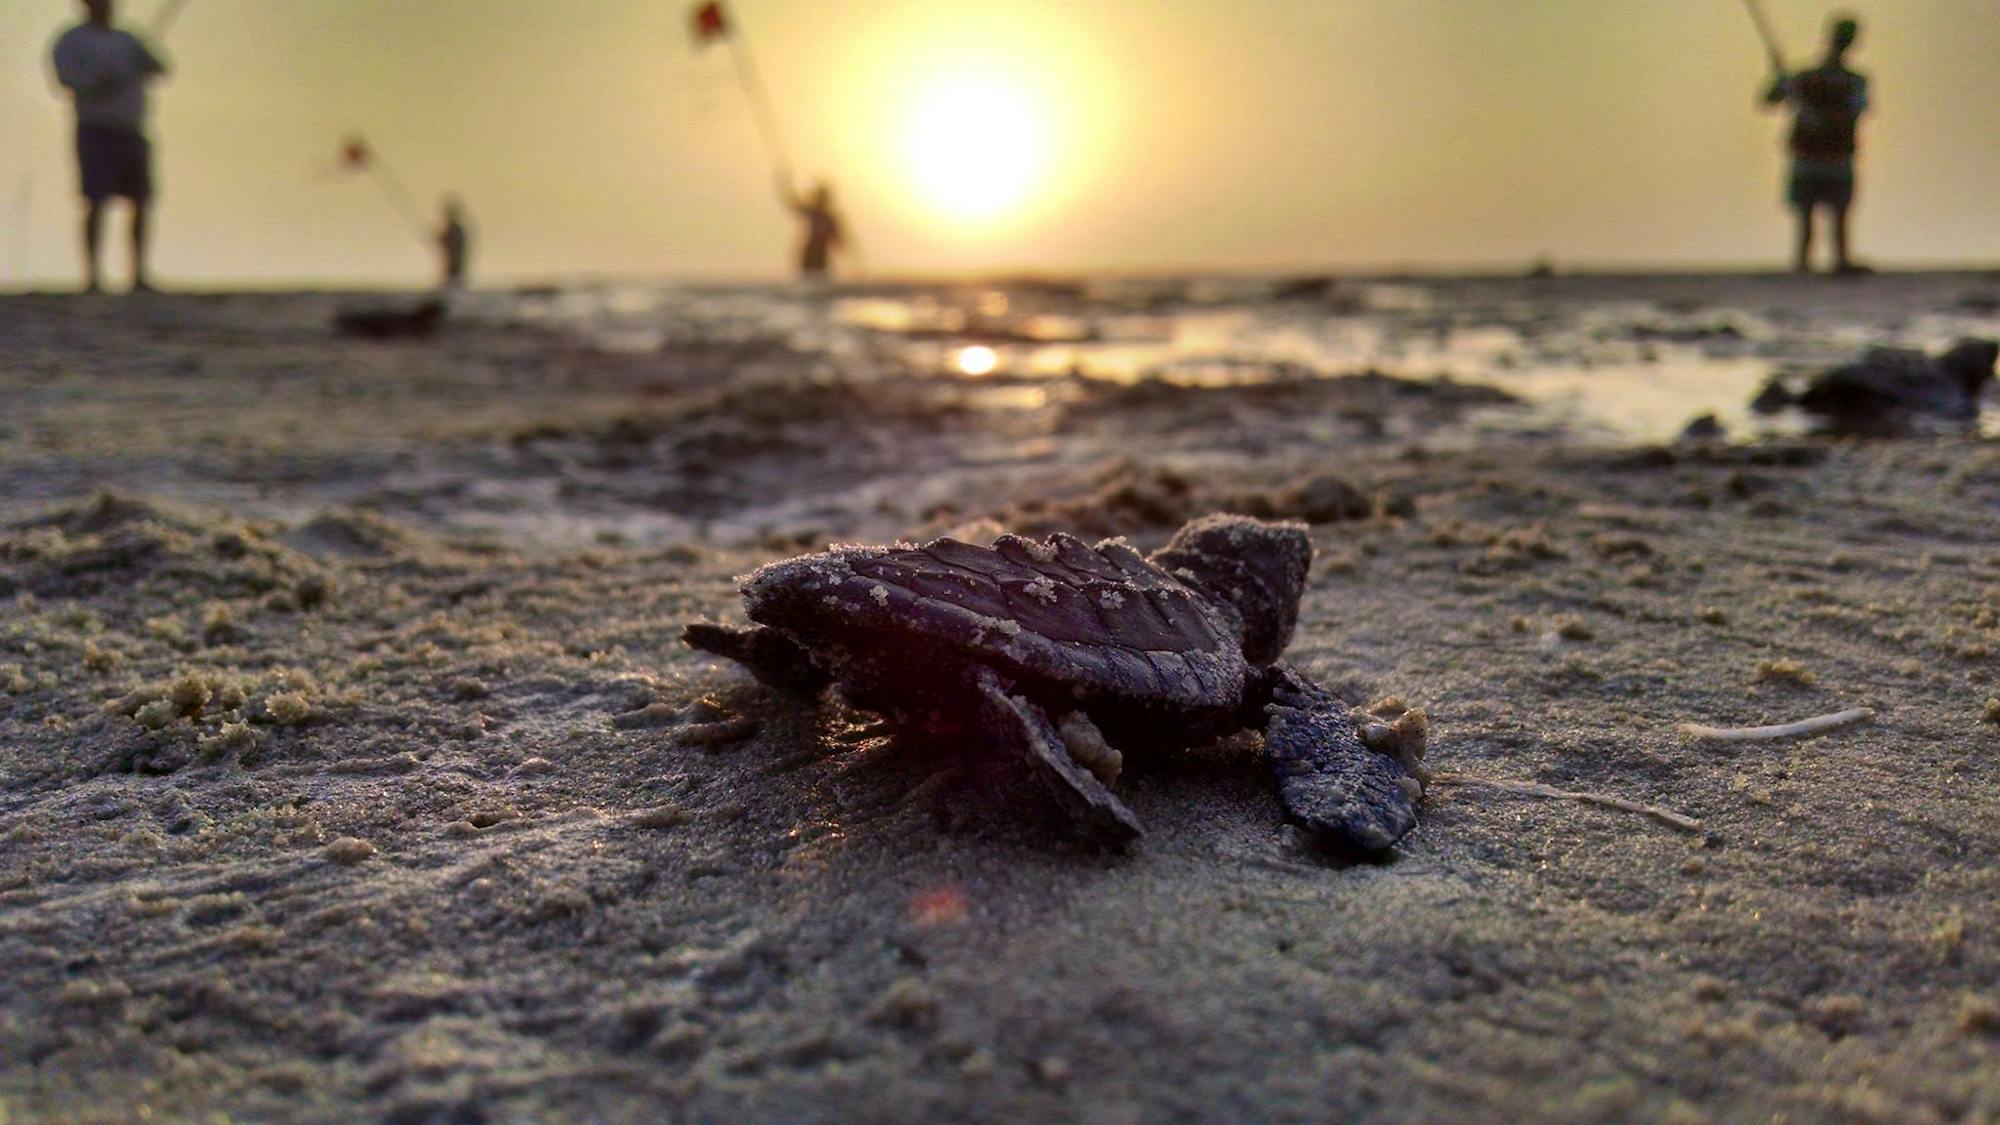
(593, 139)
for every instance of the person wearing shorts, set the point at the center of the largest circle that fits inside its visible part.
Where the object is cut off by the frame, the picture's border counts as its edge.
(106, 71)
(1827, 103)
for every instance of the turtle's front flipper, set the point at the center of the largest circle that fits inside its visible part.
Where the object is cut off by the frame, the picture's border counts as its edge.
(1329, 783)
(1021, 726)
(769, 654)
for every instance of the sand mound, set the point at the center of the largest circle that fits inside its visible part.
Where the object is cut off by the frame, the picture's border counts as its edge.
(348, 533)
(1125, 497)
(111, 542)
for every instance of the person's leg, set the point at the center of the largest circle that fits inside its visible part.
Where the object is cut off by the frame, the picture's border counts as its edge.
(142, 279)
(93, 222)
(1802, 262)
(1840, 258)
(136, 183)
(95, 188)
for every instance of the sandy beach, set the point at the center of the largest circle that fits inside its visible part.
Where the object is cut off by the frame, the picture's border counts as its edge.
(351, 767)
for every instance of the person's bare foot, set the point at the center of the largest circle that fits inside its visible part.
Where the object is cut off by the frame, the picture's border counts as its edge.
(143, 285)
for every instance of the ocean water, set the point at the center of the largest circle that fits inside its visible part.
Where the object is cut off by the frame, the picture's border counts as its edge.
(1613, 358)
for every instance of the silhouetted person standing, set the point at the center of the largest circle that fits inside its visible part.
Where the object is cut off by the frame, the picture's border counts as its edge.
(106, 71)
(454, 243)
(1827, 103)
(823, 234)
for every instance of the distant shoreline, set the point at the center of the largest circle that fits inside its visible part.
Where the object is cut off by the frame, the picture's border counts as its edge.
(55, 287)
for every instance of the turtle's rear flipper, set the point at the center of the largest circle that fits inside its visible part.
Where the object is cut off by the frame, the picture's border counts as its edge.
(1022, 727)
(769, 655)
(1330, 784)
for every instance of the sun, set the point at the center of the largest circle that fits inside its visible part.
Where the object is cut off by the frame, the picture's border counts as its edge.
(975, 147)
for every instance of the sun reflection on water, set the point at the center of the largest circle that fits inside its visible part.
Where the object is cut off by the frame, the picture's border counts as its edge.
(976, 360)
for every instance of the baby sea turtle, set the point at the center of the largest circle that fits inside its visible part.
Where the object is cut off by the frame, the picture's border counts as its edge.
(1056, 652)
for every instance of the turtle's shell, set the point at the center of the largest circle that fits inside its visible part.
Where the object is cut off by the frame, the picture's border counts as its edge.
(1100, 621)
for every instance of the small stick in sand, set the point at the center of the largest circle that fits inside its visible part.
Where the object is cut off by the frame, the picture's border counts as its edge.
(1536, 789)
(1814, 725)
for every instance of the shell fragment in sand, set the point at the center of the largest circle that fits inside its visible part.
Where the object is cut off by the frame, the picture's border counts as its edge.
(1814, 725)
(1535, 789)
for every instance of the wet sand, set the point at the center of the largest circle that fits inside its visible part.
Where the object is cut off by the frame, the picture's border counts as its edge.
(350, 766)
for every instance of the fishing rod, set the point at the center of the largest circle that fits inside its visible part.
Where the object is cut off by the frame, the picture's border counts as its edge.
(405, 202)
(760, 104)
(712, 21)
(1765, 33)
(163, 20)
(357, 155)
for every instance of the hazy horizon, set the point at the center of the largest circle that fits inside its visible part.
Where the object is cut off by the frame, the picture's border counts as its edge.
(1153, 137)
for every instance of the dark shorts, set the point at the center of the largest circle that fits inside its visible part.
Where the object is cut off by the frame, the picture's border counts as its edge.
(1817, 184)
(114, 162)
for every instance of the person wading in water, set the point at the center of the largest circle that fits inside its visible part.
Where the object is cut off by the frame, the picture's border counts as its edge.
(454, 243)
(823, 232)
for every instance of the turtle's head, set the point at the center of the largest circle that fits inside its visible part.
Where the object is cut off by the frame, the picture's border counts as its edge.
(1256, 570)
